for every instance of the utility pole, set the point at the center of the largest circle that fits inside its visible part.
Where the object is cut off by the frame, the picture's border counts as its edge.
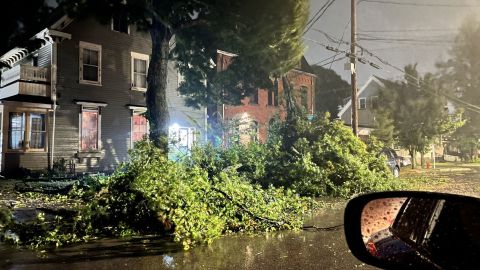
(353, 68)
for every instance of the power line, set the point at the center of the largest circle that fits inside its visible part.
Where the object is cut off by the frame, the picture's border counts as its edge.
(341, 38)
(316, 13)
(328, 58)
(465, 104)
(410, 30)
(326, 5)
(420, 4)
(333, 61)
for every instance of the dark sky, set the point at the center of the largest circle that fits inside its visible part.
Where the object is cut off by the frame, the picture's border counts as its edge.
(428, 29)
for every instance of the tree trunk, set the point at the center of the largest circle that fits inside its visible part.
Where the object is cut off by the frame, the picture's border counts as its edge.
(156, 98)
(422, 160)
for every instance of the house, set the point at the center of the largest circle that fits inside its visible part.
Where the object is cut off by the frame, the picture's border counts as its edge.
(367, 102)
(81, 97)
(253, 116)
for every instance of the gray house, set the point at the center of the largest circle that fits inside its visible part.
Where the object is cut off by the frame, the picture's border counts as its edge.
(80, 97)
(367, 101)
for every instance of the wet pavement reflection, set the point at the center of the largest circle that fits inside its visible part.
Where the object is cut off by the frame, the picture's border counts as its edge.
(307, 249)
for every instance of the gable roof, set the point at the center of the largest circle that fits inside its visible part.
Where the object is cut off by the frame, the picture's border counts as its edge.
(304, 66)
(372, 79)
(55, 24)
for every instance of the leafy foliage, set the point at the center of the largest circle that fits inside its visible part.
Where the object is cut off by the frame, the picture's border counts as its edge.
(460, 72)
(315, 158)
(151, 194)
(416, 111)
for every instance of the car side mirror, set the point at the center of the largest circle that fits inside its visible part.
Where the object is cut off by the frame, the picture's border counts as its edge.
(414, 230)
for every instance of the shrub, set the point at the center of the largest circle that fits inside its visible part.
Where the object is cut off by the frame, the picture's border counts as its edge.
(323, 157)
(314, 157)
(149, 193)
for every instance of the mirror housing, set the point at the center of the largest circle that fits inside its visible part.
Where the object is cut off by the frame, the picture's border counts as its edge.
(414, 230)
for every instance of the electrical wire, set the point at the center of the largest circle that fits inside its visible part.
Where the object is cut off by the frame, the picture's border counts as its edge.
(326, 6)
(464, 104)
(326, 59)
(456, 100)
(333, 61)
(409, 30)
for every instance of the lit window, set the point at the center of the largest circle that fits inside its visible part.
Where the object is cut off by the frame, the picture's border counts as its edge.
(89, 129)
(139, 71)
(120, 23)
(182, 138)
(16, 131)
(90, 63)
(37, 131)
(362, 103)
(139, 127)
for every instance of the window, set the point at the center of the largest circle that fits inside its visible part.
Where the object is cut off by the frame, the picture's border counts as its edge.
(304, 96)
(17, 131)
(362, 103)
(275, 93)
(89, 129)
(120, 23)
(270, 97)
(182, 138)
(139, 71)
(27, 137)
(90, 63)
(139, 127)
(254, 98)
(37, 131)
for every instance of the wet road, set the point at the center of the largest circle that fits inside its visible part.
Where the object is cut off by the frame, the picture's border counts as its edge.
(280, 250)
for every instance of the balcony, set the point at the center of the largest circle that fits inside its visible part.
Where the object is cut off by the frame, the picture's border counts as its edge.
(25, 80)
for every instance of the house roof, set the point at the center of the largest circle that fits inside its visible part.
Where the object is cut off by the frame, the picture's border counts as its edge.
(372, 79)
(304, 66)
(57, 22)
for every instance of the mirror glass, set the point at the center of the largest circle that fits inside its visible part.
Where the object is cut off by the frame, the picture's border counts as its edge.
(423, 232)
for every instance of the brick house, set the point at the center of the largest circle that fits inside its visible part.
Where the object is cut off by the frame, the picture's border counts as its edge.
(80, 97)
(254, 115)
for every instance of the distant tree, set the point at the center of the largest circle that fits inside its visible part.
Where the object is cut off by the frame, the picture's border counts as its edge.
(460, 73)
(417, 111)
(330, 91)
(384, 126)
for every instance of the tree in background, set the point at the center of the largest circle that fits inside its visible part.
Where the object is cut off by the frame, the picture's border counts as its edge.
(384, 127)
(330, 91)
(265, 40)
(461, 74)
(416, 111)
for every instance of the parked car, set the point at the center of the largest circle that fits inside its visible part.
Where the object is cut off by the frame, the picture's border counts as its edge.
(405, 161)
(393, 160)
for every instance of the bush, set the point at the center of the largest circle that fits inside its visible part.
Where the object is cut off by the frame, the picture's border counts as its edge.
(314, 157)
(151, 194)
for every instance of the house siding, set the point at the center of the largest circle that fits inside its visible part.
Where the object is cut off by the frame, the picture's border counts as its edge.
(366, 117)
(45, 56)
